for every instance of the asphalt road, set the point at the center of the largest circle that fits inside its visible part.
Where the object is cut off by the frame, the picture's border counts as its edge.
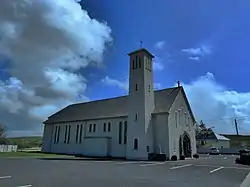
(216, 171)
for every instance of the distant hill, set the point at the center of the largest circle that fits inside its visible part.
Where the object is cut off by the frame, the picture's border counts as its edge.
(26, 142)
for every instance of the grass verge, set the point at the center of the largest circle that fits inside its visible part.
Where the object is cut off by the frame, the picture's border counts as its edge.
(29, 154)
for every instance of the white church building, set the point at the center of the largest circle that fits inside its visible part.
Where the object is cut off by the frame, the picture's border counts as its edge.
(143, 122)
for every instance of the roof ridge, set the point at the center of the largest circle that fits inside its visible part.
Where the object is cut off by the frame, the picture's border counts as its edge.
(110, 98)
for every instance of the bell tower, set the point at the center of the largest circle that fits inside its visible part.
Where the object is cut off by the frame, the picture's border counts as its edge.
(140, 105)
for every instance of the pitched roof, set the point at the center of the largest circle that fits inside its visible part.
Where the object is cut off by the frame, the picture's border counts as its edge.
(113, 107)
(212, 136)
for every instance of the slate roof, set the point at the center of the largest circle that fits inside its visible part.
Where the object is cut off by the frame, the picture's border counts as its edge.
(213, 136)
(113, 107)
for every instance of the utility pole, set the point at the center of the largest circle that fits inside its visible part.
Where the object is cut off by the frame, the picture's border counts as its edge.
(236, 126)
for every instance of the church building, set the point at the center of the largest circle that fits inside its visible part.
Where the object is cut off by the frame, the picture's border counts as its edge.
(143, 123)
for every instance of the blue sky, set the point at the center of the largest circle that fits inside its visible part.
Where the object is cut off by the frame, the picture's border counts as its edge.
(62, 54)
(221, 25)
(196, 36)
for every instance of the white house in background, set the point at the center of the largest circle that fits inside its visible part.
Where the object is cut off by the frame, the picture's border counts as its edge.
(213, 140)
(145, 121)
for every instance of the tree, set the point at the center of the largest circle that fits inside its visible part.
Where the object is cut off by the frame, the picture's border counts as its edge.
(3, 139)
(202, 132)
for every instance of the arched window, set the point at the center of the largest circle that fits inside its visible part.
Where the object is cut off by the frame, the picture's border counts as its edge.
(135, 144)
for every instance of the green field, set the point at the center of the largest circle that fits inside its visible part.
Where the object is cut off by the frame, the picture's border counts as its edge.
(30, 154)
(26, 142)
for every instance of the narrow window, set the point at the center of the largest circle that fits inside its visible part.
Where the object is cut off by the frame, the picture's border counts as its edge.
(104, 127)
(133, 65)
(185, 118)
(109, 127)
(65, 135)
(125, 132)
(90, 127)
(139, 62)
(176, 117)
(94, 127)
(120, 132)
(58, 134)
(80, 134)
(136, 87)
(149, 65)
(77, 132)
(55, 134)
(179, 116)
(136, 117)
(149, 89)
(135, 144)
(148, 149)
(136, 62)
(69, 134)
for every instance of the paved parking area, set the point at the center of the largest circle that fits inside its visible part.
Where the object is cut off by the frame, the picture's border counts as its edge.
(216, 171)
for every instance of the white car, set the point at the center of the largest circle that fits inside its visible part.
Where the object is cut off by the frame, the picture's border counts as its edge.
(214, 150)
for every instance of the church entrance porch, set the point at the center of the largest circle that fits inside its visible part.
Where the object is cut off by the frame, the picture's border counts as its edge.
(187, 152)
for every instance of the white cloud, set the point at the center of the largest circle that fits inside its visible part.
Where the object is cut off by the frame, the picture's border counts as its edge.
(157, 86)
(194, 58)
(158, 64)
(197, 53)
(124, 85)
(159, 44)
(216, 105)
(113, 82)
(47, 43)
(211, 102)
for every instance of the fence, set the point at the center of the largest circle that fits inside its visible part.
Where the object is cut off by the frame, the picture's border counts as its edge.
(204, 150)
(8, 148)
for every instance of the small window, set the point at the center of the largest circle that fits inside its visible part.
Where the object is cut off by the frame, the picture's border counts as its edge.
(94, 127)
(65, 135)
(77, 133)
(125, 132)
(149, 65)
(58, 134)
(185, 116)
(120, 132)
(149, 89)
(136, 117)
(136, 87)
(80, 141)
(148, 149)
(68, 140)
(136, 62)
(104, 127)
(135, 144)
(133, 65)
(90, 127)
(55, 134)
(139, 62)
(176, 119)
(109, 127)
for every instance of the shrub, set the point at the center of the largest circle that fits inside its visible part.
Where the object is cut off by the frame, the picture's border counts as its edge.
(196, 156)
(174, 158)
(182, 157)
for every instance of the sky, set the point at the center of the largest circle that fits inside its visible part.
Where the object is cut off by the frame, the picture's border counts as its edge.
(57, 52)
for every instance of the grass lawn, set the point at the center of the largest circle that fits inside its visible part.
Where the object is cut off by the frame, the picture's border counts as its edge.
(30, 154)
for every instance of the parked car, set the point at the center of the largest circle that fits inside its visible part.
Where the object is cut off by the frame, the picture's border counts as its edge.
(214, 151)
